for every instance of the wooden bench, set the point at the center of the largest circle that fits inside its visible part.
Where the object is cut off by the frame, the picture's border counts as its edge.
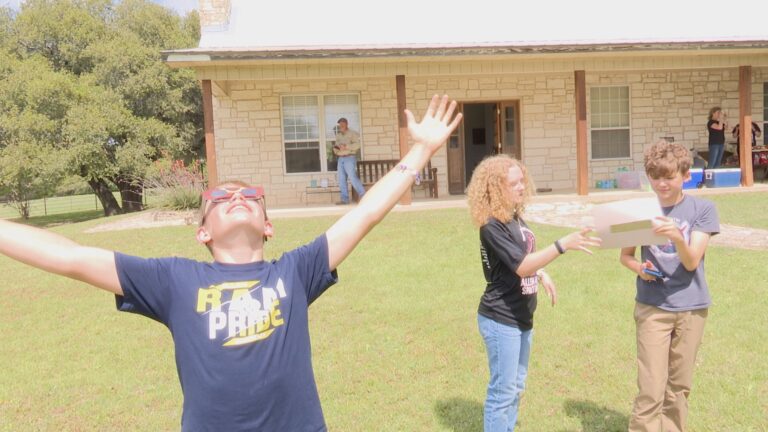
(370, 171)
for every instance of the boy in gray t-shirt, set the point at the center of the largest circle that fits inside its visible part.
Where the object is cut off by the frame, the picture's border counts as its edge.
(672, 294)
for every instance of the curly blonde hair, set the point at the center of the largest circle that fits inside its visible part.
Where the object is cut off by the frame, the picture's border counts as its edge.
(488, 194)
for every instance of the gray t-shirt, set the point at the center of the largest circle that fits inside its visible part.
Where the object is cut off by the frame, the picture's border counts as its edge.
(679, 289)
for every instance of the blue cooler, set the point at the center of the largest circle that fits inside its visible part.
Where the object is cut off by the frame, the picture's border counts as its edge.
(697, 177)
(726, 177)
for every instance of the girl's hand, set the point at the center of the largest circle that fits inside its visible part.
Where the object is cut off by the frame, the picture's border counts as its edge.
(549, 286)
(580, 240)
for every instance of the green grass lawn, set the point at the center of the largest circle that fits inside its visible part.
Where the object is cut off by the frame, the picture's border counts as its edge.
(743, 209)
(395, 342)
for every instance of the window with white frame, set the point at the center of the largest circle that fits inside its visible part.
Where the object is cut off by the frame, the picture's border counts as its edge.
(609, 122)
(309, 129)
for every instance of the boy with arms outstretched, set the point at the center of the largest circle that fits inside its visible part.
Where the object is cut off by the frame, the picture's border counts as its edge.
(239, 323)
(672, 294)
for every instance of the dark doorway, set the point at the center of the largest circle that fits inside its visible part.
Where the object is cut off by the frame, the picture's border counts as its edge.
(488, 128)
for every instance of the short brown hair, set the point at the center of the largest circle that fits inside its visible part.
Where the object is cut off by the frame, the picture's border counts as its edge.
(664, 159)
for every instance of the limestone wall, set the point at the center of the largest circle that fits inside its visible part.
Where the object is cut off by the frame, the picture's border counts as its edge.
(247, 119)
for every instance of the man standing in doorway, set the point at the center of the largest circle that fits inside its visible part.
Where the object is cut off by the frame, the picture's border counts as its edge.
(345, 149)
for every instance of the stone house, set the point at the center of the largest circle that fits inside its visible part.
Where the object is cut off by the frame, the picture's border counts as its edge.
(574, 107)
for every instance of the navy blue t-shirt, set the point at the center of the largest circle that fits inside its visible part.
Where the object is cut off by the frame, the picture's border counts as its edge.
(240, 332)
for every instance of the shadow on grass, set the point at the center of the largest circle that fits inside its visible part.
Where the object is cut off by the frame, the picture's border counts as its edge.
(460, 415)
(596, 418)
(61, 219)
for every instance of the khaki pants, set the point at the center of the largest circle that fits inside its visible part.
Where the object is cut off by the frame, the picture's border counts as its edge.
(667, 343)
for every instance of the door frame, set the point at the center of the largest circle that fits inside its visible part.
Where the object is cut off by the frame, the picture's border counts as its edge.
(455, 148)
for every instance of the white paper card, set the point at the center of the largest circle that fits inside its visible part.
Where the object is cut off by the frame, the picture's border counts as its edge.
(627, 223)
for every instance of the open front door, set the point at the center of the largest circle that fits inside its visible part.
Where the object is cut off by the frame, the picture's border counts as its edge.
(488, 128)
(509, 130)
(455, 149)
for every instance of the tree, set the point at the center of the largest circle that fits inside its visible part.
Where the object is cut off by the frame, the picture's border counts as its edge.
(127, 108)
(27, 172)
(106, 143)
(61, 30)
(34, 101)
(6, 20)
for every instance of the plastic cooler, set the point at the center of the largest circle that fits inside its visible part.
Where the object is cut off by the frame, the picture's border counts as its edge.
(697, 178)
(726, 177)
(628, 179)
(632, 180)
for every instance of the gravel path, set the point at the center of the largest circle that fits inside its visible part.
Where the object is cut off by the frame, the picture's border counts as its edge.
(576, 214)
(552, 212)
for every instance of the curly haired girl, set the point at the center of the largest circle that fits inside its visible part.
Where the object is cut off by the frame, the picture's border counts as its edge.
(497, 194)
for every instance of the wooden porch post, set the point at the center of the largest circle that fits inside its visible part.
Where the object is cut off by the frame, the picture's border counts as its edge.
(210, 139)
(580, 96)
(745, 125)
(402, 124)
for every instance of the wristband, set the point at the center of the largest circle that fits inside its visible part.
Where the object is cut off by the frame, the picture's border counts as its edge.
(416, 176)
(559, 247)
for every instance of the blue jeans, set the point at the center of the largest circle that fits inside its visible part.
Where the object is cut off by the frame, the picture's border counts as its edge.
(715, 155)
(509, 349)
(347, 167)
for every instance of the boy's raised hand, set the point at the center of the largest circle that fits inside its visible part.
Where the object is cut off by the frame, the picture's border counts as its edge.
(428, 135)
(436, 126)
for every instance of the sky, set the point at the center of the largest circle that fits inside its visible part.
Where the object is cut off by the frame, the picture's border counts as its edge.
(487, 21)
(180, 6)
(517, 22)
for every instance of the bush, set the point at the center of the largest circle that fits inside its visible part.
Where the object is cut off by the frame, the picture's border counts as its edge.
(175, 185)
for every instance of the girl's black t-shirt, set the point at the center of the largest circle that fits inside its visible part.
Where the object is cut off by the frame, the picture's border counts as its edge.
(508, 298)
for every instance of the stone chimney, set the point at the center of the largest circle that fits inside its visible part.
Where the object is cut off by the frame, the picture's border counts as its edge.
(214, 14)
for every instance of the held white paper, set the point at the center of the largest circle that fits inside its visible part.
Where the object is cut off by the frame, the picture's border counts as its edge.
(627, 223)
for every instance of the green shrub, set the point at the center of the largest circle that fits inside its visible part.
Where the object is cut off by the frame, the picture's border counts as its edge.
(175, 185)
(176, 198)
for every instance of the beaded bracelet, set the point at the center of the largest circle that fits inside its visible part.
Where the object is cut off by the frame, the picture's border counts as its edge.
(416, 176)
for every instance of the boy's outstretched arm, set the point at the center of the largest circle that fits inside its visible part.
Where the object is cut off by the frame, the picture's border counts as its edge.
(428, 135)
(57, 254)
